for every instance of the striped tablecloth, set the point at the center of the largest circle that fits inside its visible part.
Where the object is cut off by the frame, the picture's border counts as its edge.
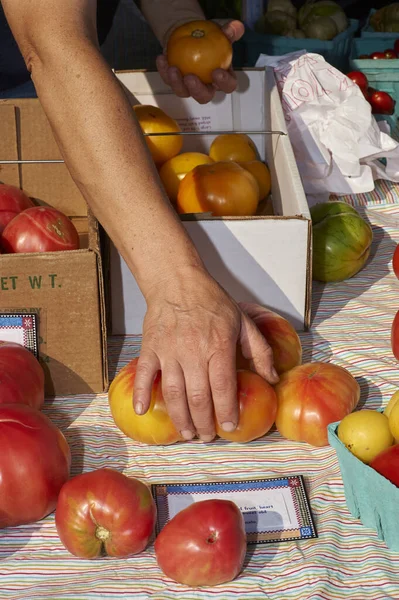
(351, 327)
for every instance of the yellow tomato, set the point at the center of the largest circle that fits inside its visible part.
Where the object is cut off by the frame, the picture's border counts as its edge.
(174, 170)
(262, 175)
(198, 48)
(233, 146)
(393, 401)
(223, 188)
(365, 433)
(154, 120)
(394, 421)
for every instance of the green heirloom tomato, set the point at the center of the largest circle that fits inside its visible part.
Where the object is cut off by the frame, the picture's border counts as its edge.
(341, 241)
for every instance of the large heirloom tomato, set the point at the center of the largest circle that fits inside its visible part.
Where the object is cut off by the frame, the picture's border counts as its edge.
(279, 334)
(155, 427)
(21, 376)
(341, 241)
(223, 188)
(312, 396)
(395, 261)
(40, 229)
(34, 465)
(105, 512)
(257, 408)
(198, 48)
(395, 336)
(174, 170)
(12, 202)
(204, 544)
(154, 120)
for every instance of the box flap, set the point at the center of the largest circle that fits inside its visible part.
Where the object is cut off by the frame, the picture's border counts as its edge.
(28, 129)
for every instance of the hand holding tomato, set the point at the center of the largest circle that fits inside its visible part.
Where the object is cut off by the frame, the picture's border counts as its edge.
(188, 85)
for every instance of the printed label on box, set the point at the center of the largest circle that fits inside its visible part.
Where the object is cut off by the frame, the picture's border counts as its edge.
(20, 328)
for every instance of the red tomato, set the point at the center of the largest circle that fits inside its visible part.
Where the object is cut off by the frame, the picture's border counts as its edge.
(40, 229)
(390, 53)
(105, 511)
(12, 202)
(363, 56)
(382, 103)
(395, 336)
(395, 261)
(312, 396)
(377, 55)
(34, 465)
(257, 405)
(204, 544)
(396, 46)
(387, 464)
(279, 334)
(21, 376)
(359, 78)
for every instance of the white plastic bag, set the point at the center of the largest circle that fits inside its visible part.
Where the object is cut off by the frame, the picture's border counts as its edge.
(336, 140)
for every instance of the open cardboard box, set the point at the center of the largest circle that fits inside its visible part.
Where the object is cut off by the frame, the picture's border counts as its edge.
(264, 259)
(64, 288)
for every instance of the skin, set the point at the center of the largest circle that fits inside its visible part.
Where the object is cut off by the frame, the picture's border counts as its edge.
(192, 326)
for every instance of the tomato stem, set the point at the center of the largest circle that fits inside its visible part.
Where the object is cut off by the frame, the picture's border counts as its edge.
(198, 33)
(102, 534)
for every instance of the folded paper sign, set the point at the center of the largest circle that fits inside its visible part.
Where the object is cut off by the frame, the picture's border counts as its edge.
(338, 144)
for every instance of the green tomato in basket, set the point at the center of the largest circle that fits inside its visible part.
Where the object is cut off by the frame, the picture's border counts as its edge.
(341, 241)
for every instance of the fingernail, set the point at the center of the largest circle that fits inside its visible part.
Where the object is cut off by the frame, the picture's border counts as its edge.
(138, 408)
(187, 434)
(207, 438)
(274, 372)
(228, 426)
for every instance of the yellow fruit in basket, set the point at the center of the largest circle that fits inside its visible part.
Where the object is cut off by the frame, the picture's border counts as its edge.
(174, 170)
(262, 175)
(365, 433)
(233, 146)
(393, 420)
(393, 401)
(154, 120)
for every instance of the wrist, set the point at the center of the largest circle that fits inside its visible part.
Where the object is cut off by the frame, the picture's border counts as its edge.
(166, 15)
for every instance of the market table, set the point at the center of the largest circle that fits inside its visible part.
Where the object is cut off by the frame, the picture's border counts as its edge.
(351, 327)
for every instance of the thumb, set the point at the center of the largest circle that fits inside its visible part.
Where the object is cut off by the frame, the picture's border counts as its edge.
(233, 30)
(255, 348)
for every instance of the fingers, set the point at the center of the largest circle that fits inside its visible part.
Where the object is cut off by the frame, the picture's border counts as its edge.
(223, 382)
(225, 81)
(174, 393)
(201, 92)
(200, 401)
(147, 368)
(172, 77)
(233, 30)
(255, 348)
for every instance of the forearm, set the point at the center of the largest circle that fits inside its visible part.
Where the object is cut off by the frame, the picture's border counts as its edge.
(102, 145)
(164, 15)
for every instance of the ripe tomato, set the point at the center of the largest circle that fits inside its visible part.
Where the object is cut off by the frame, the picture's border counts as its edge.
(224, 189)
(204, 544)
(387, 464)
(34, 464)
(198, 48)
(312, 396)
(389, 53)
(233, 146)
(382, 103)
(262, 175)
(257, 405)
(359, 78)
(377, 55)
(154, 120)
(21, 376)
(396, 46)
(12, 202)
(40, 229)
(279, 334)
(105, 512)
(395, 336)
(174, 170)
(395, 261)
(155, 427)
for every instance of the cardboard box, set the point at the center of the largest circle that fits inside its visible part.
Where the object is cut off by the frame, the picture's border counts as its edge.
(263, 259)
(65, 288)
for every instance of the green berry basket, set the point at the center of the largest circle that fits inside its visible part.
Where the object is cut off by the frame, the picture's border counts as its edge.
(369, 496)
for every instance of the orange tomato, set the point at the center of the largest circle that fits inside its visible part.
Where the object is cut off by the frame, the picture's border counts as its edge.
(233, 146)
(223, 188)
(257, 405)
(198, 48)
(154, 120)
(262, 175)
(174, 170)
(155, 427)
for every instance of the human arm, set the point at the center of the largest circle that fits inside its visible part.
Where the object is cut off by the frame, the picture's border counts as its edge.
(191, 326)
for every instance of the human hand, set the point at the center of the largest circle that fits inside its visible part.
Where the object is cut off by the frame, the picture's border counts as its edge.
(190, 334)
(191, 85)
